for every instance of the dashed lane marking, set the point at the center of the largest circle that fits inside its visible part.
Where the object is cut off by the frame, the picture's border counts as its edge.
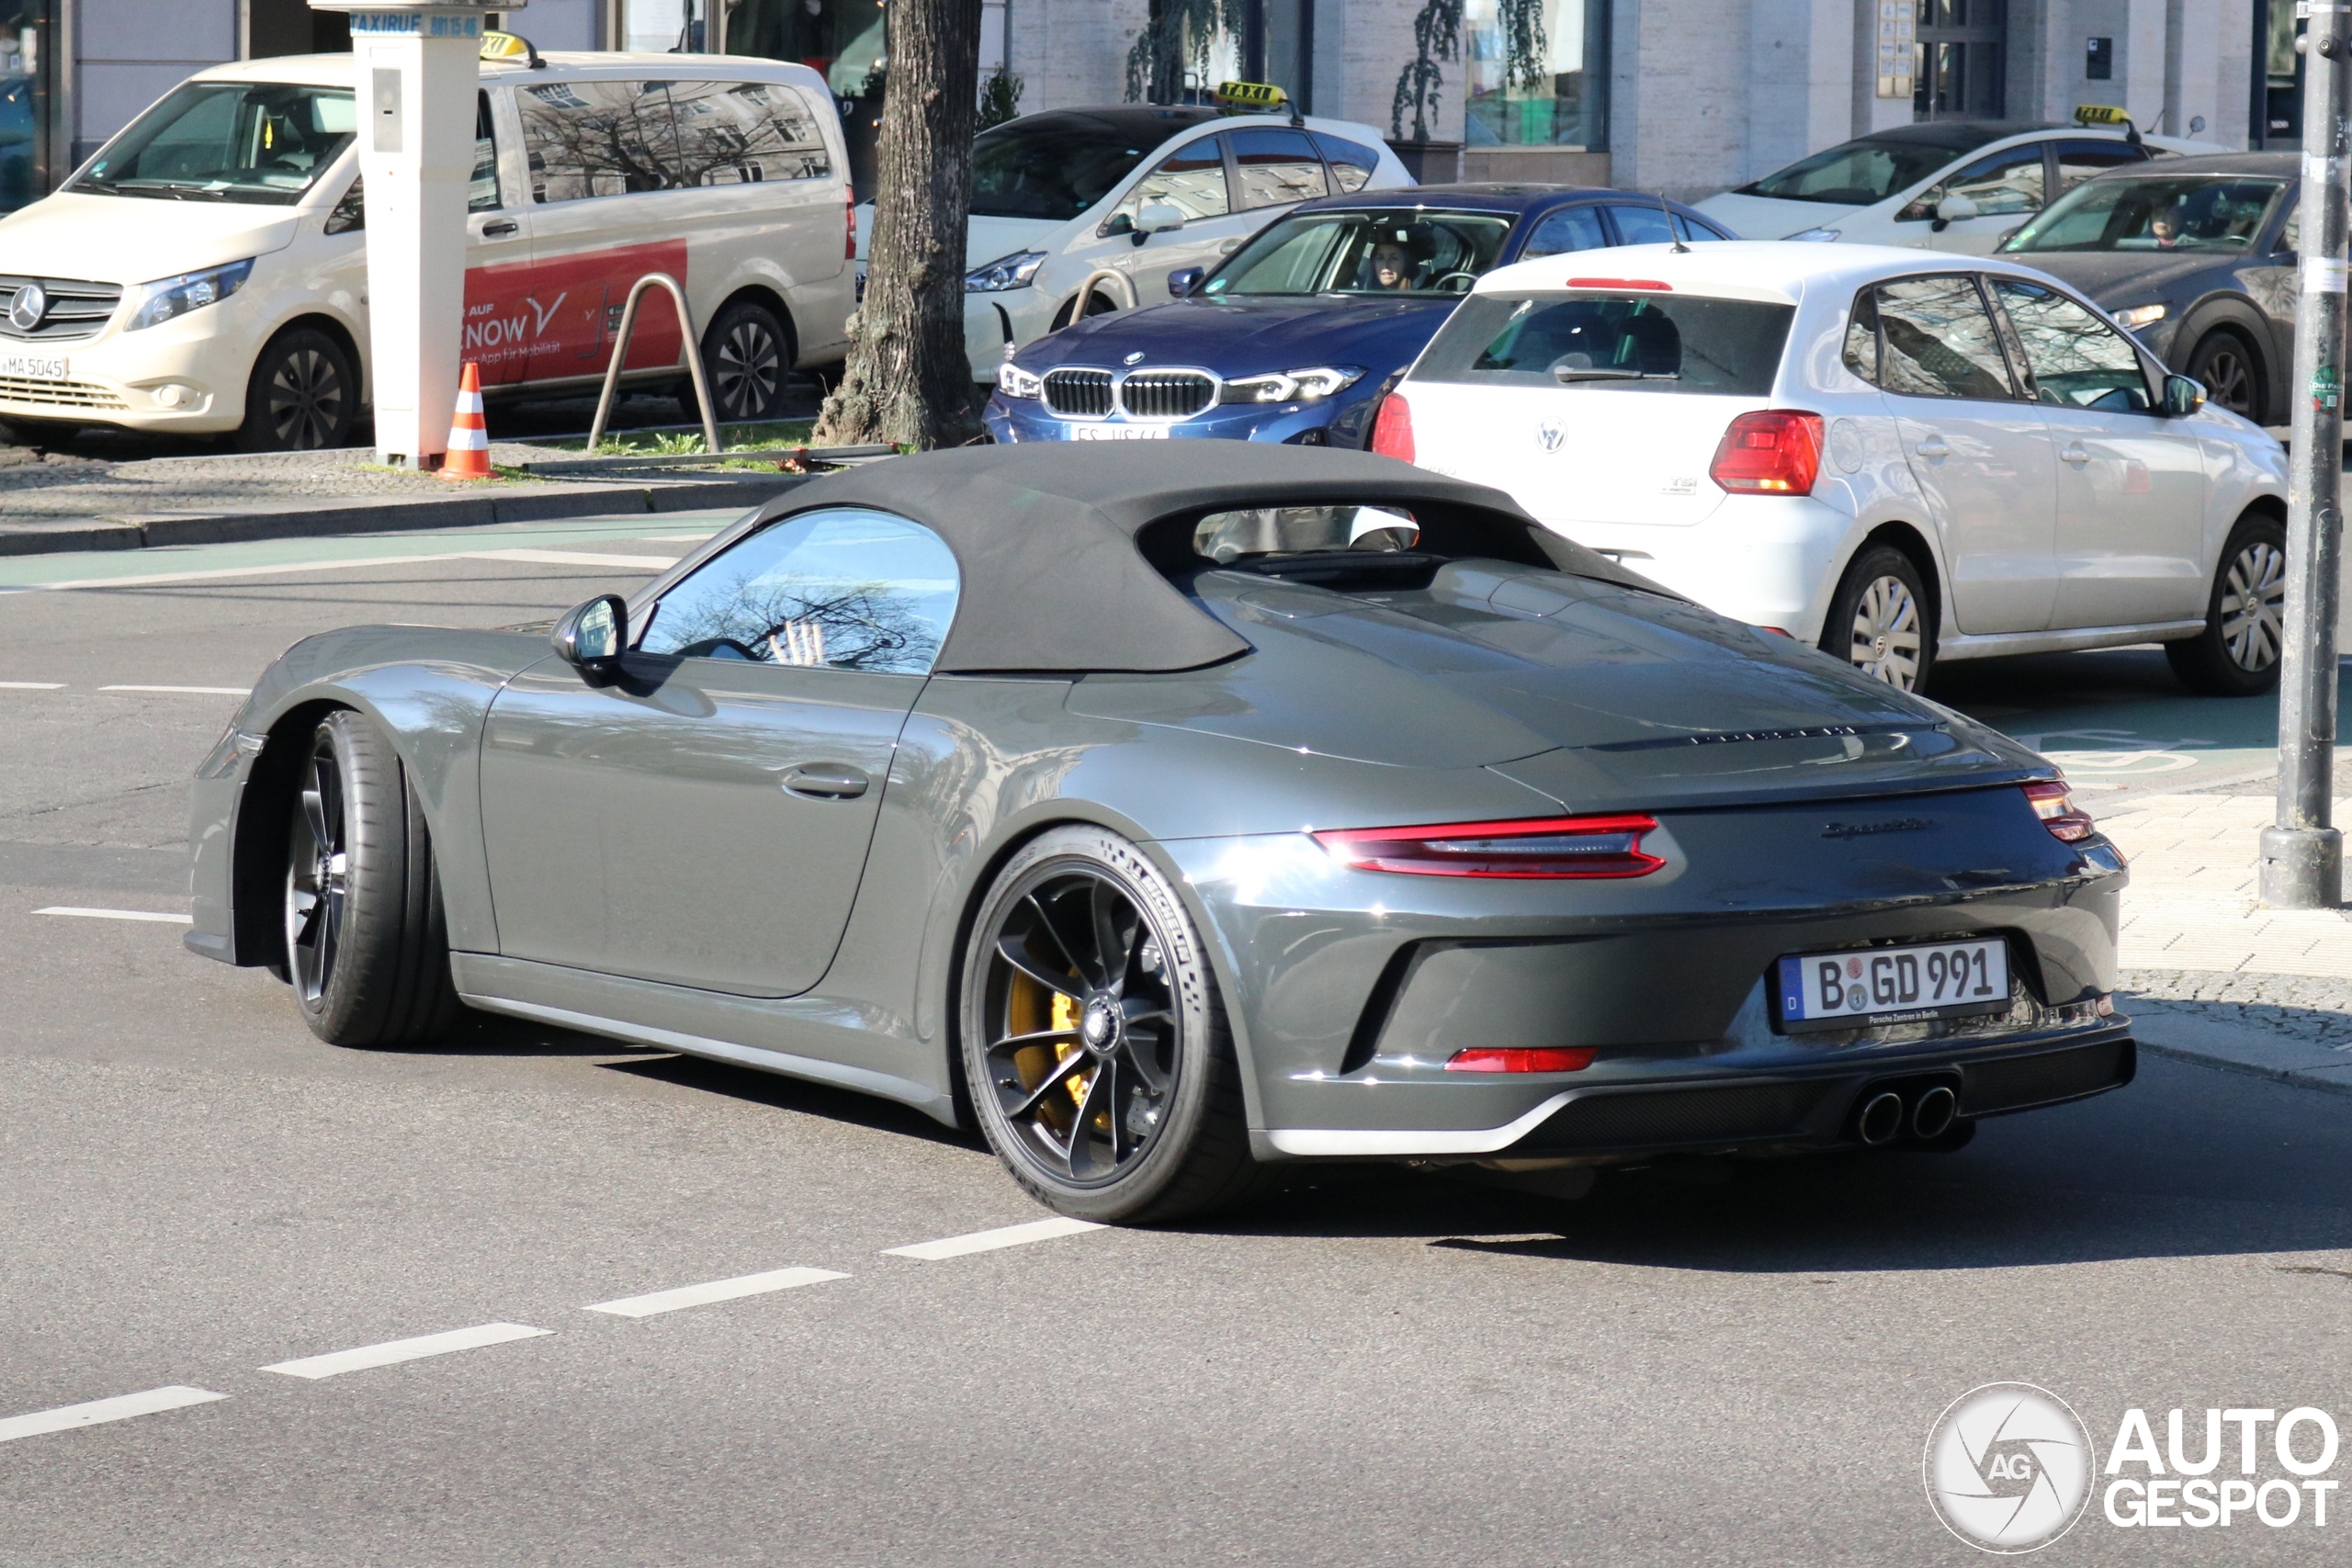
(187, 690)
(32, 686)
(157, 915)
(576, 557)
(715, 1291)
(989, 1241)
(65, 1418)
(355, 563)
(393, 1351)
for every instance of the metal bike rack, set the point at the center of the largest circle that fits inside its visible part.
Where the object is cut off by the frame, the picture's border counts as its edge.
(620, 352)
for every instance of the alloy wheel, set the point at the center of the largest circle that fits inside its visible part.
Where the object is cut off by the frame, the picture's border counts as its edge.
(2229, 380)
(305, 401)
(747, 370)
(317, 877)
(2254, 599)
(1886, 633)
(1082, 1029)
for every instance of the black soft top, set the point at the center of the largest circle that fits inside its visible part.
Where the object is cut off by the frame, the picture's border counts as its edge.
(1056, 548)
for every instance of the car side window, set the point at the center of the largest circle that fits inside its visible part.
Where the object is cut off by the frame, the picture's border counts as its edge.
(590, 139)
(2290, 235)
(1642, 225)
(1860, 353)
(2078, 160)
(1697, 233)
(482, 189)
(1191, 179)
(1352, 163)
(2002, 185)
(2076, 360)
(745, 132)
(1937, 339)
(841, 588)
(1567, 229)
(1277, 167)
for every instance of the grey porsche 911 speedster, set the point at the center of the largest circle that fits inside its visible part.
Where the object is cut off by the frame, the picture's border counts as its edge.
(1173, 814)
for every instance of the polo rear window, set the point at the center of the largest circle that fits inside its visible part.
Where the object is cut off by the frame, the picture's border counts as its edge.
(1631, 341)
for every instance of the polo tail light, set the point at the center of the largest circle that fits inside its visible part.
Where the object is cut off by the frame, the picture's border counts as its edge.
(849, 209)
(2054, 804)
(1548, 847)
(1392, 428)
(1772, 452)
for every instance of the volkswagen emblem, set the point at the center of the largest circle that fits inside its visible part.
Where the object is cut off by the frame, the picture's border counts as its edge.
(1134, 358)
(1550, 433)
(29, 306)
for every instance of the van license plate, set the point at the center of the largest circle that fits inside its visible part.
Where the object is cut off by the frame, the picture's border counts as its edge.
(1119, 432)
(1893, 985)
(34, 367)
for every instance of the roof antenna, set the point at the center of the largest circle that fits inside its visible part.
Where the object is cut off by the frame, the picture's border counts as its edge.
(1679, 248)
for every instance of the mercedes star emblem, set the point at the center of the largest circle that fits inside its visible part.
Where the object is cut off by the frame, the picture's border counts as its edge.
(29, 306)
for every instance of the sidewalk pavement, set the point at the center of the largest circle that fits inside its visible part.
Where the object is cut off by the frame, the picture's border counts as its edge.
(2211, 976)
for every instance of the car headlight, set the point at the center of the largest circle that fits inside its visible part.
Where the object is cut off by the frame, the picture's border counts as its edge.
(1015, 382)
(166, 298)
(2139, 316)
(1818, 234)
(1005, 272)
(1288, 386)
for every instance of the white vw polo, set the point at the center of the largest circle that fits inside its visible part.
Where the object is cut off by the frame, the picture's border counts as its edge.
(1897, 456)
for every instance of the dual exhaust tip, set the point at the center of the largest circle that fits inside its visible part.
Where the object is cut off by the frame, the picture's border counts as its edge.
(1925, 1112)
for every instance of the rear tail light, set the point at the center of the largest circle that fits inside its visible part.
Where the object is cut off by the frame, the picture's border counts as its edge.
(2054, 804)
(1521, 1059)
(1541, 847)
(848, 198)
(1392, 430)
(1774, 452)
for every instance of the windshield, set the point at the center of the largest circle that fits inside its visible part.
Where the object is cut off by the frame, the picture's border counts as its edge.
(1405, 250)
(1048, 171)
(1616, 342)
(257, 142)
(1857, 173)
(2175, 212)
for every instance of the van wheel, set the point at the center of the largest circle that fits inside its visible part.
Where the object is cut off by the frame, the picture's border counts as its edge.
(304, 395)
(747, 354)
(1880, 622)
(2237, 654)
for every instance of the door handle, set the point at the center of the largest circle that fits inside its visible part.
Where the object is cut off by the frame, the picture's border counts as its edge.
(825, 781)
(499, 227)
(1933, 446)
(2076, 452)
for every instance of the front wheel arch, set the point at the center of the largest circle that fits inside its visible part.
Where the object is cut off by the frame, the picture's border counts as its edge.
(257, 851)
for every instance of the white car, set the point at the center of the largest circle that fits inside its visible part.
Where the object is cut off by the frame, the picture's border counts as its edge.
(1087, 211)
(207, 270)
(1945, 185)
(1898, 457)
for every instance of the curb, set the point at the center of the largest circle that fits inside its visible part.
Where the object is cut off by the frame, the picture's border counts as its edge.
(527, 505)
(2253, 1053)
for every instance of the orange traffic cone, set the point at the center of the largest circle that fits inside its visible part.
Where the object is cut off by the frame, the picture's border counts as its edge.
(469, 455)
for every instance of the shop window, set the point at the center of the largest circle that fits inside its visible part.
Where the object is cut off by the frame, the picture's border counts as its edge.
(1538, 72)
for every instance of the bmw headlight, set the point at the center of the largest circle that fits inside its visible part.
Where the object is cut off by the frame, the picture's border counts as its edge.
(1005, 272)
(2139, 316)
(1816, 234)
(168, 298)
(1291, 386)
(1015, 382)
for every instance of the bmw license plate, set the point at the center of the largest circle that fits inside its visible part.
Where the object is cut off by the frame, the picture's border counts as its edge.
(1119, 432)
(1893, 985)
(34, 367)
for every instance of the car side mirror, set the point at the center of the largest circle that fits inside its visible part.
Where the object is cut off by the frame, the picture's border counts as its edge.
(2183, 396)
(1955, 208)
(1184, 279)
(1158, 218)
(591, 637)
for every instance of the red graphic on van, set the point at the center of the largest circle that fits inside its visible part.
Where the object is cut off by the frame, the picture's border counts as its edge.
(552, 319)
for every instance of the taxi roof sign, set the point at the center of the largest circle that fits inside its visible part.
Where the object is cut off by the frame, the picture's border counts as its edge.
(1262, 98)
(509, 46)
(2100, 114)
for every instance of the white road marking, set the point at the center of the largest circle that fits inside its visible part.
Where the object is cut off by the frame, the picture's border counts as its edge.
(32, 686)
(575, 558)
(393, 1351)
(715, 1291)
(988, 1241)
(187, 690)
(158, 579)
(678, 539)
(117, 913)
(65, 1418)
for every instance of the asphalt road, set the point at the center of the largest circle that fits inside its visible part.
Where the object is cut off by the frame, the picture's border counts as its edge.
(1695, 1364)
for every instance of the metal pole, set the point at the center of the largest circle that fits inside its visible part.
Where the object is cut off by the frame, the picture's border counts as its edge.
(2302, 857)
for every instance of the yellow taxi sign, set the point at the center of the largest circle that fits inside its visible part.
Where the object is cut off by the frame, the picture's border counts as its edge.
(2100, 114)
(505, 45)
(1259, 95)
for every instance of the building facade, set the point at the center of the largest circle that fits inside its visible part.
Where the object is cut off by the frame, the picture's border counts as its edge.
(1686, 96)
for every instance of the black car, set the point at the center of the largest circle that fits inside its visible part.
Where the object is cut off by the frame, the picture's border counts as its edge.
(2197, 257)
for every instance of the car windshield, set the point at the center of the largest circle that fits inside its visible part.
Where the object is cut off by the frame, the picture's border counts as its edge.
(1643, 341)
(2172, 213)
(1857, 173)
(1403, 250)
(256, 142)
(1054, 170)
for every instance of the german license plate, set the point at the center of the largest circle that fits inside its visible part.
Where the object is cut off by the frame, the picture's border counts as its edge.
(1119, 432)
(34, 367)
(1893, 985)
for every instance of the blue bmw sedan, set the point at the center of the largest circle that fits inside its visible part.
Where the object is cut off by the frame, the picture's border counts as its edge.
(1296, 334)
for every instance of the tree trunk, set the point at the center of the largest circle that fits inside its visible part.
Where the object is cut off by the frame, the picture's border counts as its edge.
(907, 381)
